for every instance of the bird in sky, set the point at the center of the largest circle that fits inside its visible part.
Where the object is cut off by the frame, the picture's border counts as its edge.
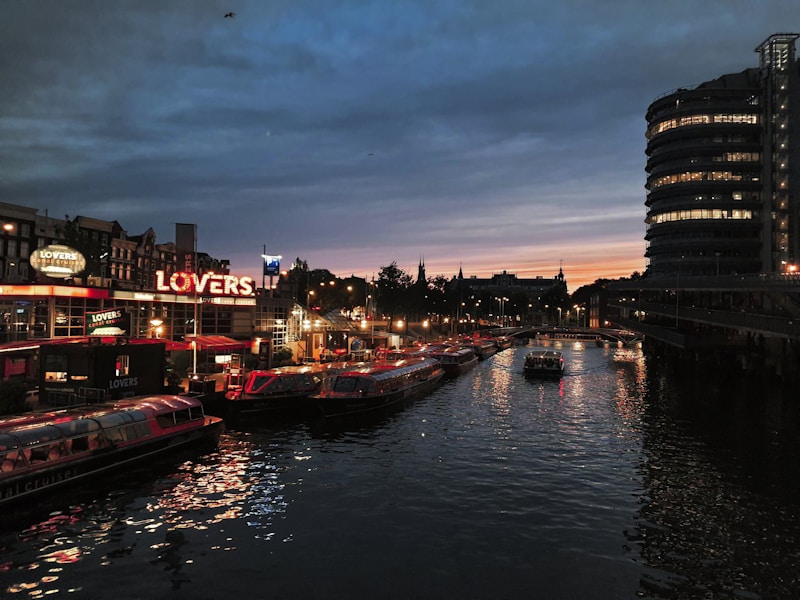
(230, 15)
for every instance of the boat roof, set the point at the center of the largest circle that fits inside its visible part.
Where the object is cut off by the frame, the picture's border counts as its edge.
(149, 405)
(389, 368)
(546, 353)
(452, 350)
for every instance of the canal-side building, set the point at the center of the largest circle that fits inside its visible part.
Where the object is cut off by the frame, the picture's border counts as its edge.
(722, 286)
(139, 281)
(723, 170)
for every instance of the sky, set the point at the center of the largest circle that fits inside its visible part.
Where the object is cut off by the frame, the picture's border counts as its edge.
(487, 136)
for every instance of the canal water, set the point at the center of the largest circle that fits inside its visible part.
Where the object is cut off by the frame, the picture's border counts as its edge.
(624, 479)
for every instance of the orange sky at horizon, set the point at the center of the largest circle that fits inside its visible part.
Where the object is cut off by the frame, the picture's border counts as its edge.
(582, 265)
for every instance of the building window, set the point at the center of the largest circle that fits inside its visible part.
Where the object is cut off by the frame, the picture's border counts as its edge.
(123, 365)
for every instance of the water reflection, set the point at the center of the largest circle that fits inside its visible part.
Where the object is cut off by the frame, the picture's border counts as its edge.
(619, 480)
(710, 525)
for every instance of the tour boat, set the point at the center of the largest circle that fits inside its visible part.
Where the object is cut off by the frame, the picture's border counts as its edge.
(503, 342)
(378, 386)
(282, 389)
(568, 336)
(40, 451)
(455, 360)
(544, 362)
(483, 347)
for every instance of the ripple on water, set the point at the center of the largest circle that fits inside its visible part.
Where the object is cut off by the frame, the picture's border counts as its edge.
(494, 486)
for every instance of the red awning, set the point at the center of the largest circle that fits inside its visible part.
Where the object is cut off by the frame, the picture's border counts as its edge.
(216, 342)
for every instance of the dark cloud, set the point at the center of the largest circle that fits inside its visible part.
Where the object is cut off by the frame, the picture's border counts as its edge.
(505, 135)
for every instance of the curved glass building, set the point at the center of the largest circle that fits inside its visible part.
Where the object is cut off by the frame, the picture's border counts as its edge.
(722, 171)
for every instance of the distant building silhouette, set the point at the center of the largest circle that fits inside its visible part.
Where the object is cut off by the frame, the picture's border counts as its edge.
(723, 171)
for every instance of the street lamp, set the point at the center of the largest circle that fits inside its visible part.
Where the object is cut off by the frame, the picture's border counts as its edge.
(8, 228)
(559, 316)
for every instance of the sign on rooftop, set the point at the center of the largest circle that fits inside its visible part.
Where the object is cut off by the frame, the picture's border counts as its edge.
(57, 261)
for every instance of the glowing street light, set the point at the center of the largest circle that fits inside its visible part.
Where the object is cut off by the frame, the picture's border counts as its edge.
(157, 327)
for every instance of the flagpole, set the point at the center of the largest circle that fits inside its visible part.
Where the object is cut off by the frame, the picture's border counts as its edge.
(194, 287)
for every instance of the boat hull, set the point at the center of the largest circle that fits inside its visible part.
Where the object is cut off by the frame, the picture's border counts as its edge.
(350, 406)
(287, 405)
(456, 369)
(105, 460)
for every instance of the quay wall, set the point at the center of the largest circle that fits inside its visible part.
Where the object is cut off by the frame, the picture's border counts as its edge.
(752, 356)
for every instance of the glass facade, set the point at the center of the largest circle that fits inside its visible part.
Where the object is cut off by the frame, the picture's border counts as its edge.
(720, 197)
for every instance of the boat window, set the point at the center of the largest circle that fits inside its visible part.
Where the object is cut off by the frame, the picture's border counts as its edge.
(305, 381)
(183, 416)
(78, 426)
(178, 417)
(345, 384)
(114, 419)
(257, 382)
(366, 385)
(77, 433)
(10, 455)
(36, 435)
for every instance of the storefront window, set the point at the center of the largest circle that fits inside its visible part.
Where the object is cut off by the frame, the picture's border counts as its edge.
(55, 368)
(123, 365)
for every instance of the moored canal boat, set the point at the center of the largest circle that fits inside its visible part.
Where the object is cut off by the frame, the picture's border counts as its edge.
(455, 360)
(483, 347)
(378, 386)
(549, 363)
(503, 342)
(282, 389)
(41, 451)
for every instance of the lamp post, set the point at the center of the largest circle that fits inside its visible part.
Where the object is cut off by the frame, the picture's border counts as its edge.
(559, 316)
(678, 291)
(7, 229)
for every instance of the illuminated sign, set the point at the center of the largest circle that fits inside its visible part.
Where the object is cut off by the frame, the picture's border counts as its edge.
(113, 321)
(209, 284)
(272, 264)
(58, 261)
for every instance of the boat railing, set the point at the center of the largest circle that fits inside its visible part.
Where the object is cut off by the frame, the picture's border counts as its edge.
(62, 398)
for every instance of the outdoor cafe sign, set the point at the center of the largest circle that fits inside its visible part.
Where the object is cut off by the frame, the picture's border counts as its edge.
(57, 261)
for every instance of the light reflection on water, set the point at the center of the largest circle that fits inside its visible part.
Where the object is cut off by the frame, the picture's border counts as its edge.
(597, 485)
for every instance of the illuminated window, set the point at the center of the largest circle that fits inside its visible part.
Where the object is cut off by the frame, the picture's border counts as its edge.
(123, 365)
(699, 213)
(694, 120)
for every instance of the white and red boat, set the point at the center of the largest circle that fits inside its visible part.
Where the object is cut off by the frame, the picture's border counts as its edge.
(40, 451)
(282, 390)
(378, 386)
(455, 360)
